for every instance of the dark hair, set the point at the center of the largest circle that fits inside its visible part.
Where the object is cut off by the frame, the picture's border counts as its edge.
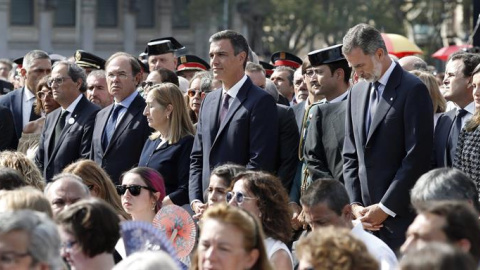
(444, 184)
(94, 224)
(461, 222)
(437, 256)
(136, 68)
(167, 75)
(475, 120)
(470, 61)
(10, 179)
(343, 64)
(228, 171)
(272, 203)
(306, 64)
(39, 105)
(75, 72)
(365, 37)
(328, 191)
(239, 43)
(152, 179)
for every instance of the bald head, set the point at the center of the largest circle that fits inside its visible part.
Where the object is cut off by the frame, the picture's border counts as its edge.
(65, 190)
(411, 62)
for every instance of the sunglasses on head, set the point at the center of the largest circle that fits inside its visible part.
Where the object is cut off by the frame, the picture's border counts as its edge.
(133, 189)
(239, 197)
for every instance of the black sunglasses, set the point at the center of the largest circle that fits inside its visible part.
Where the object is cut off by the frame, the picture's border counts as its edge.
(134, 189)
(147, 84)
(239, 197)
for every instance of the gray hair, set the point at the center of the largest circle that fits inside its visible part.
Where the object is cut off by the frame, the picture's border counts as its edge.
(44, 240)
(444, 184)
(254, 67)
(97, 73)
(206, 79)
(64, 177)
(271, 89)
(289, 70)
(33, 55)
(75, 72)
(147, 260)
(365, 37)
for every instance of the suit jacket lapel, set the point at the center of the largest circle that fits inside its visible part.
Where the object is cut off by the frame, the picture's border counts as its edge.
(386, 100)
(50, 143)
(216, 103)
(18, 113)
(131, 112)
(237, 101)
(362, 108)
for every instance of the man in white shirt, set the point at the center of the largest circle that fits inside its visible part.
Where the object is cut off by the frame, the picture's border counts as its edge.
(326, 202)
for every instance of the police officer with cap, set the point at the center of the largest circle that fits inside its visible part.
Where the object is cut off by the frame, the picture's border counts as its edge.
(89, 61)
(188, 65)
(286, 59)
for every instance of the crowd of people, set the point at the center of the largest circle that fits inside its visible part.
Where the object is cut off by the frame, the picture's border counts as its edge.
(347, 158)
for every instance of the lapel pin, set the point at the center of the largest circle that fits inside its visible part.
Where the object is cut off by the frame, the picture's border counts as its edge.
(391, 98)
(71, 121)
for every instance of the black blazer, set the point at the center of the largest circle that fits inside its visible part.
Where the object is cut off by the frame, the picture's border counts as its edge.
(74, 142)
(125, 147)
(324, 141)
(172, 161)
(14, 101)
(248, 135)
(8, 137)
(440, 141)
(288, 138)
(383, 165)
(299, 111)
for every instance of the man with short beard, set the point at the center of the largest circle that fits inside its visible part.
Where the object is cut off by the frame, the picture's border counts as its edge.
(388, 136)
(97, 90)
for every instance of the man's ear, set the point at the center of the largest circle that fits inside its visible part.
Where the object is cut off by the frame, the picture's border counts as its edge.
(23, 72)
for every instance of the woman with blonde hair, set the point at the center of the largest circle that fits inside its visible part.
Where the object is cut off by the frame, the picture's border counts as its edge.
(25, 166)
(99, 183)
(439, 102)
(333, 248)
(168, 148)
(25, 198)
(230, 238)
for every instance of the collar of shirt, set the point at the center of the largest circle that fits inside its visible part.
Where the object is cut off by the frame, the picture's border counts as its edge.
(339, 98)
(384, 79)
(233, 91)
(72, 107)
(128, 100)
(28, 94)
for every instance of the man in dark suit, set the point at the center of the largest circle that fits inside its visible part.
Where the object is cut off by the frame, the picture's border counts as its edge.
(457, 89)
(288, 136)
(388, 136)
(238, 123)
(120, 129)
(67, 133)
(36, 65)
(330, 73)
(7, 140)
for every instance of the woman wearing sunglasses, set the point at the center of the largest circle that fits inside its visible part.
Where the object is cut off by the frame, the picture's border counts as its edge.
(263, 196)
(44, 104)
(168, 148)
(142, 192)
(201, 84)
(161, 75)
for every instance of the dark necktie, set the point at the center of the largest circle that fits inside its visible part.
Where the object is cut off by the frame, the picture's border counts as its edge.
(224, 109)
(454, 132)
(60, 125)
(374, 98)
(110, 127)
(33, 115)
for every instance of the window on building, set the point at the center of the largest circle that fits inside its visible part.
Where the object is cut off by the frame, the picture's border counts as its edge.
(21, 12)
(107, 13)
(145, 13)
(180, 18)
(65, 13)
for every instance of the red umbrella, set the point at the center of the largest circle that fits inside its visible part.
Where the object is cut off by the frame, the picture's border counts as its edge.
(445, 52)
(399, 45)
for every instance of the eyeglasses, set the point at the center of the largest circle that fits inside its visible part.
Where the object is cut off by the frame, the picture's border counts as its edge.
(58, 81)
(42, 95)
(120, 75)
(10, 257)
(147, 84)
(312, 72)
(193, 92)
(134, 189)
(68, 245)
(239, 197)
